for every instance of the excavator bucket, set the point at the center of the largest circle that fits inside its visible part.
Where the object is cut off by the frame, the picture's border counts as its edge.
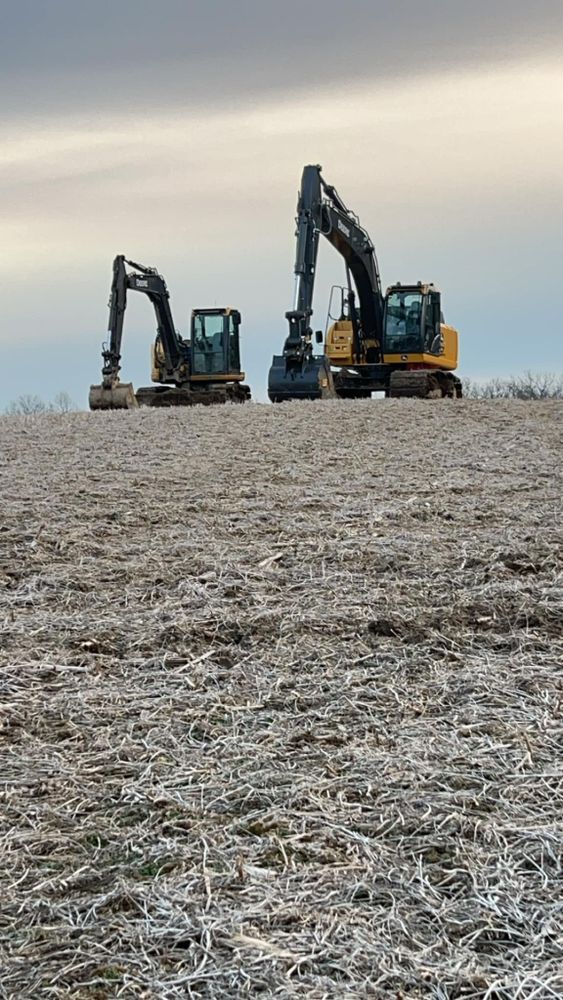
(312, 379)
(120, 396)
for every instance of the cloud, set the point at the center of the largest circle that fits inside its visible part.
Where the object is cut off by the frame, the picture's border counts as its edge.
(59, 55)
(184, 149)
(232, 175)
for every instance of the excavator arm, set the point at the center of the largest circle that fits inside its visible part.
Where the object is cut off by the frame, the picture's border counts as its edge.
(152, 284)
(111, 353)
(112, 393)
(321, 212)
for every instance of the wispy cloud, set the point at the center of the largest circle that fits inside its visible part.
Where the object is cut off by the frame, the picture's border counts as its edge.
(137, 56)
(417, 145)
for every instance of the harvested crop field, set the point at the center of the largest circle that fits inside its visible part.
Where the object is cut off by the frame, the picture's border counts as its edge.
(281, 706)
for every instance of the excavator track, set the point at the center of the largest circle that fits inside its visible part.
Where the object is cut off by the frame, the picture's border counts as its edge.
(423, 385)
(169, 395)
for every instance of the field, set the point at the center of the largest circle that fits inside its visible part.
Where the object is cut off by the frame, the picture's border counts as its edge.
(281, 702)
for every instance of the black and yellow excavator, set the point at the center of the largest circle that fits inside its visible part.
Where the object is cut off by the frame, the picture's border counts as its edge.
(204, 369)
(396, 343)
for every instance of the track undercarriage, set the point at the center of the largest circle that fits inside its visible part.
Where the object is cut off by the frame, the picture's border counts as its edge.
(315, 380)
(400, 383)
(420, 384)
(122, 396)
(209, 394)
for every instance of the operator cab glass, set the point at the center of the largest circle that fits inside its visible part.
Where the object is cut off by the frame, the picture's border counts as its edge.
(412, 322)
(215, 343)
(403, 317)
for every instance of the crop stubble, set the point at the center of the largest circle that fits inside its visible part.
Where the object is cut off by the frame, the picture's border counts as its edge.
(281, 702)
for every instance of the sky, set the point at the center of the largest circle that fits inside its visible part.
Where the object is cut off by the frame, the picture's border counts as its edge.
(176, 133)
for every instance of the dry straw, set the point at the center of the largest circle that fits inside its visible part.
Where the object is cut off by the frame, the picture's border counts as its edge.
(281, 703)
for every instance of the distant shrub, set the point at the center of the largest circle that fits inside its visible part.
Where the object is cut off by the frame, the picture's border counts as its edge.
(530, 385)
(27, 405)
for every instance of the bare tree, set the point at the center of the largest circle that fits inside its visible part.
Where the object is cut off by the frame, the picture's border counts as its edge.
(27, 405)
(495, 388)
(530, 385)
(32, 405)
(536, 385)
(63, 403)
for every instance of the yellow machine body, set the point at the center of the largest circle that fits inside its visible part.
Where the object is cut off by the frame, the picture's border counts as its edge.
(157, 361)
(157, 358)
(339, 349)
(447, 360)
(339, 344)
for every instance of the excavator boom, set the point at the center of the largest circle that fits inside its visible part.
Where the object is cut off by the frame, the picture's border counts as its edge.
(298, 372)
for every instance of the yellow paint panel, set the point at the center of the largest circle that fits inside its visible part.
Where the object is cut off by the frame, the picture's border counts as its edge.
(229, 377)
(339, 347)
(156, 358)
(447, 361)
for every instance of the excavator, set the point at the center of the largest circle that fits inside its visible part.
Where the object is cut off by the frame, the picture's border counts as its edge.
(204, 369)
(396, 343)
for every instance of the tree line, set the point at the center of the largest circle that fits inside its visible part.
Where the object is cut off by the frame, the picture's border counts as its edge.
(28, 405)
(530, 385)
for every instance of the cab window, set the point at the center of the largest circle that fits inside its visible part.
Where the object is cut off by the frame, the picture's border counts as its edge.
(403, 322)
(208, 346)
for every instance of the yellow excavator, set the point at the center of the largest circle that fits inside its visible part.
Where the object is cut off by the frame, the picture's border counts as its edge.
(397, 343)
(204, 369)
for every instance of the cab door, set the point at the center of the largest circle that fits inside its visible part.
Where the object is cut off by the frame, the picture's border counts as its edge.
(432, 327)
(215, 342)
(233, 343)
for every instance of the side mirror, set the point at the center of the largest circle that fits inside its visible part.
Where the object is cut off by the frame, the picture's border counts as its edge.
(319, 336)
(236, 317)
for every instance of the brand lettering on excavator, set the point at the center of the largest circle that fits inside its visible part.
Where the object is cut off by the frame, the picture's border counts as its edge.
(343, 229)
(141, 283)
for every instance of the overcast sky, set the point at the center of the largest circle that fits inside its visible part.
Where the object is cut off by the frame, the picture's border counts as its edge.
(176, 133)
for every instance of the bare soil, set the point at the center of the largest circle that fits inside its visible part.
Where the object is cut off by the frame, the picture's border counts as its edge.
(281, 702)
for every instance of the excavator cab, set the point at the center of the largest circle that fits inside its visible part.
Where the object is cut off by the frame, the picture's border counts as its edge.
(215, 350)
(211, 358)
(413, 328)
(412, 320)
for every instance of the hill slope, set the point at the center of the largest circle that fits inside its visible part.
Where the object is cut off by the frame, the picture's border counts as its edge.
(282, 708)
